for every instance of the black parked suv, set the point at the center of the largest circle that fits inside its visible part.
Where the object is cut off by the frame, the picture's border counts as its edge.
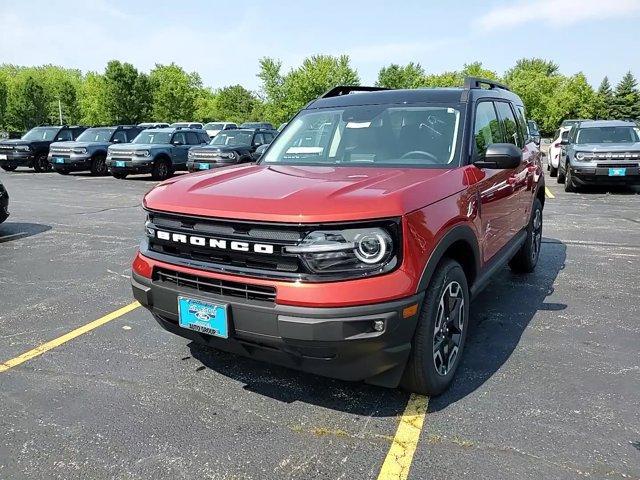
(229, 147)
(4, 203)
(89, 150)
(158, 151)
(33, 148)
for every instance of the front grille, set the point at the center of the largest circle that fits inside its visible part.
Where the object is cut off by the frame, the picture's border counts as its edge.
(6, 148)
(277, 262)
(216, 286)
(204, 155)
(60, 150)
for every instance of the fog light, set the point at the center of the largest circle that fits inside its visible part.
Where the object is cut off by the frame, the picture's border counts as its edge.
(378, 325)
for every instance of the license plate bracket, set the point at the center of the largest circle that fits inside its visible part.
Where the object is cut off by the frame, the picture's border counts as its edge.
(202, 316)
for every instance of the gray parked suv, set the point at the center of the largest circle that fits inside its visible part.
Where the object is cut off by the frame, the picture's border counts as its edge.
(158, 151)
(600, 152)
(89, 150)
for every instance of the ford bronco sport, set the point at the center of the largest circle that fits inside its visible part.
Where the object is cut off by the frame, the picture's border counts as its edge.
(33, 148)
(158, 151)
(89, 150)
(354, 246)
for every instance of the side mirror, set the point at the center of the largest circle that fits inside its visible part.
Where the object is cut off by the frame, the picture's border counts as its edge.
(177, 143)
(260, 150)
(564, 141)
(501, 156)
(116, 140)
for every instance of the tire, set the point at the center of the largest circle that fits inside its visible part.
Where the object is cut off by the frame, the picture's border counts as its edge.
(569, 185)
(161, 170)
(561, 176)
(120, 175)
(427, 372)
(553, 172)
(526, 259)
(9, 168)
(41, 164)
(99, 165)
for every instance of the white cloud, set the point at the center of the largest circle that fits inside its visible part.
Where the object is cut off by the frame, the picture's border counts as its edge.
(556, 13)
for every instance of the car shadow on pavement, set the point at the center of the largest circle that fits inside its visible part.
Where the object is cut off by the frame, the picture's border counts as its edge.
(11, 231)
(499, 316)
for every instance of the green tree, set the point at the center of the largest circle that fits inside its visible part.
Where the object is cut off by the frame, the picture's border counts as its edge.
(174, 92)
(235, 104)
(626, 99)
(28, 104)
(205, 106)
(287, 94)
(92, 100)
(603, 100)
(396, 76)
(576, 98)
(4, 93)
(127, 96)
(475, 69)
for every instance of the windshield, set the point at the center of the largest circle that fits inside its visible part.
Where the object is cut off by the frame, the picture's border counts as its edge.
(608, 135)
(370, 135)
(151, 136)
(233, 138)
(96, 135)
(214, 126)
(41, 133)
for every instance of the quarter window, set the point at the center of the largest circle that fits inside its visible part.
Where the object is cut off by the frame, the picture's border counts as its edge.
(120, 136)
(192, 138)
(64, 135)
(179, 137)
(487, 128)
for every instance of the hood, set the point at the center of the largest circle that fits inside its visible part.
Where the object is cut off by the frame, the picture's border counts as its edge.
(304, 194)
(72, 144)
(607, 147)
(14, 142)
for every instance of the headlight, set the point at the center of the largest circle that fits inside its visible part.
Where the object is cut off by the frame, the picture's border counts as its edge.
(580, 156)
(23, 148)
(79, 150)
(142, 153)
(350, 250)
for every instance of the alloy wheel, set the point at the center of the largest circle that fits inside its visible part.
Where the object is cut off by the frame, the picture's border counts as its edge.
(536, 235)
(449, 324)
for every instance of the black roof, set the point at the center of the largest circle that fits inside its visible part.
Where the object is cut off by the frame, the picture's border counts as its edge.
(345, 96)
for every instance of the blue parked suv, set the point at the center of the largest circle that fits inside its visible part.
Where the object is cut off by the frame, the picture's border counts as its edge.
(600, 152)
(89, 150)
(158, 151)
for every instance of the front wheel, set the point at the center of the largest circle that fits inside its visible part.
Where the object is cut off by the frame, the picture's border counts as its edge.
(161, 170)
(526, 259)
(41, 164)
(569, 184)
(98, 165)
(441, 332)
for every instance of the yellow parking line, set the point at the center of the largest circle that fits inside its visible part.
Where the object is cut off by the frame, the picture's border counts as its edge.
(548, 193)
(398, 461)
(65, 338)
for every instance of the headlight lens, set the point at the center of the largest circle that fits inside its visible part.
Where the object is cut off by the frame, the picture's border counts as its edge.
(80, 150)
(143, 153)
(349, 250)
(23, 148)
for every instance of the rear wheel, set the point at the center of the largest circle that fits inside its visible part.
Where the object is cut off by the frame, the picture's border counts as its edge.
(9, 168)
(526, 259)
(553, 171)
(441, 331)
(161, 170)
(41, 164)
(120, 175)
(99, 165)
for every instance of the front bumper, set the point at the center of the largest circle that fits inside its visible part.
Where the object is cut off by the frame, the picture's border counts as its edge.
(16, 159)
(121, 165)
(334, 342)
(599, 175)
(203, 165)
(71, 162)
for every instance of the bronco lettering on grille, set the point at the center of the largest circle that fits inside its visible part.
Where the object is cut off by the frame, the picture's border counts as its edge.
(212, 242)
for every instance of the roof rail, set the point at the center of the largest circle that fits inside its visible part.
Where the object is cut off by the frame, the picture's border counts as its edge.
(347, 89)
(477, 82)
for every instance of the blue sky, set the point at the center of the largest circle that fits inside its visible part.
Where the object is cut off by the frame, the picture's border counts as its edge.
(223, 40)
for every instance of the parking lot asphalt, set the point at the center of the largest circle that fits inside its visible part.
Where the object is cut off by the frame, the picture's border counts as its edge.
(549, 386)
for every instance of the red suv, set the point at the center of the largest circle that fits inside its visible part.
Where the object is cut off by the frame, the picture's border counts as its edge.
(353, 247)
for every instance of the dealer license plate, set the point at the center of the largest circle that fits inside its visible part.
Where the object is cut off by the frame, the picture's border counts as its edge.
(204, 317)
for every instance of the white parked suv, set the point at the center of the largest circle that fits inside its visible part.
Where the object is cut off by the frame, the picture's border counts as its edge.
(555, 150)
(214, 128)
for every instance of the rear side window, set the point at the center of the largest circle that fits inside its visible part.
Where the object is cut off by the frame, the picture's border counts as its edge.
(179, 137)
(523, 129)
(133, 133)
(487, 128)
(509, 125)
(64, 135)
(204, 138)
(258, 139)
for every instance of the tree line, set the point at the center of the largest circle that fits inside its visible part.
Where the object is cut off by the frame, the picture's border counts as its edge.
(122, 94)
